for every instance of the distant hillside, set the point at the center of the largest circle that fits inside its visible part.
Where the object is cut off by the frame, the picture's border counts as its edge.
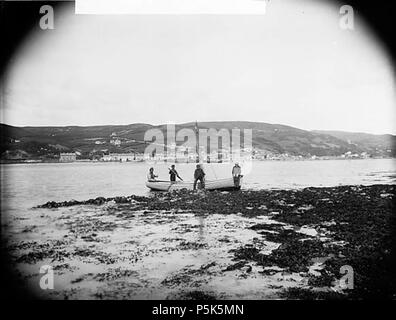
(371, 142)
(93, 141)
(48, 142)
(278, 138)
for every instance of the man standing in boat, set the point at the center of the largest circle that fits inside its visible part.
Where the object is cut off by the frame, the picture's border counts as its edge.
(236, 174)
(199, 174)
(151, 176)
(173, 174)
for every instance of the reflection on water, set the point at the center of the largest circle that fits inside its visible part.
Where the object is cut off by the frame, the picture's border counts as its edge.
(201, 227)
(155, 253)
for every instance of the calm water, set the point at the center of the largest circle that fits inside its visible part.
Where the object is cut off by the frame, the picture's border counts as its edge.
(27, 185)
(152, 247)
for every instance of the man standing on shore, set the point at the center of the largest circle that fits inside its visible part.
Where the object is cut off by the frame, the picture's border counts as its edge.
(199, 174)
(236, 174)
(173, 174)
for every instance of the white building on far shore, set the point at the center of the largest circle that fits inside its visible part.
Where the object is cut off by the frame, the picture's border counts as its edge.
(122, 157)
(68, 157)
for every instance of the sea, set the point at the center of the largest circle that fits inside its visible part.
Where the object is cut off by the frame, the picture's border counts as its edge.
(104, 252)
(29, 185)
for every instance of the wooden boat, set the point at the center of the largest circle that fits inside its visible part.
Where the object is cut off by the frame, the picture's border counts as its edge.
(219, 184)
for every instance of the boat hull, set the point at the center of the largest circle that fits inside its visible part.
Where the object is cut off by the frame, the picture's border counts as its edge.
(221, 184)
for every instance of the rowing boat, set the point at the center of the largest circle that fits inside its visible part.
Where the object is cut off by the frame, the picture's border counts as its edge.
(219, 184)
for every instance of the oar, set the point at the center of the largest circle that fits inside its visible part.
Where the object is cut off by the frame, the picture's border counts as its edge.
(178, 177)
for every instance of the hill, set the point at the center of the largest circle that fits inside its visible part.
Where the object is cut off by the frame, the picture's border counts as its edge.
(371, 142)
(93, 141)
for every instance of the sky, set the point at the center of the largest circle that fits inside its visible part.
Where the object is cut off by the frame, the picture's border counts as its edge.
(293, 65)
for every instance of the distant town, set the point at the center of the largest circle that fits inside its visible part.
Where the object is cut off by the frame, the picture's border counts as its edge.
(125, 143)
(181, 157)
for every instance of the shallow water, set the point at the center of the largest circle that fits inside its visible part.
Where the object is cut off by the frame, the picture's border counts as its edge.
(153, 255)
(27, 185)
(149, 255)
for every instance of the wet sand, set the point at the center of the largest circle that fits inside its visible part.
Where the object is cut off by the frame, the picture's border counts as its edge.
(269, 244)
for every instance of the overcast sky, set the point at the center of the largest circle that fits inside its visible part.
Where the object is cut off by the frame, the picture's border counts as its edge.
(294, 66)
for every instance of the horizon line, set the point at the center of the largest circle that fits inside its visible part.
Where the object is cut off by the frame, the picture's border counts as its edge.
(192, 122)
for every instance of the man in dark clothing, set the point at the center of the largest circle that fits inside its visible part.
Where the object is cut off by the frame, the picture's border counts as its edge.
(236, 174)
(199, 174)
(173, 174)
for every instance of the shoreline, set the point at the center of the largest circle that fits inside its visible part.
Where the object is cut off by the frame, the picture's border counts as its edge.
(269, 244)
(5, 162)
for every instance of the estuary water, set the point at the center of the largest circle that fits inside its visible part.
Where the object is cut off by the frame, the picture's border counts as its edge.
(28, 185)
(110, 252)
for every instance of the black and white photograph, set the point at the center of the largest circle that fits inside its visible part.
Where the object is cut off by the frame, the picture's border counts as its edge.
(175, 150)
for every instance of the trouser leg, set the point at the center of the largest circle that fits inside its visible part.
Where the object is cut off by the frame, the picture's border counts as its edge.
(195, 183)
(236, 181)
